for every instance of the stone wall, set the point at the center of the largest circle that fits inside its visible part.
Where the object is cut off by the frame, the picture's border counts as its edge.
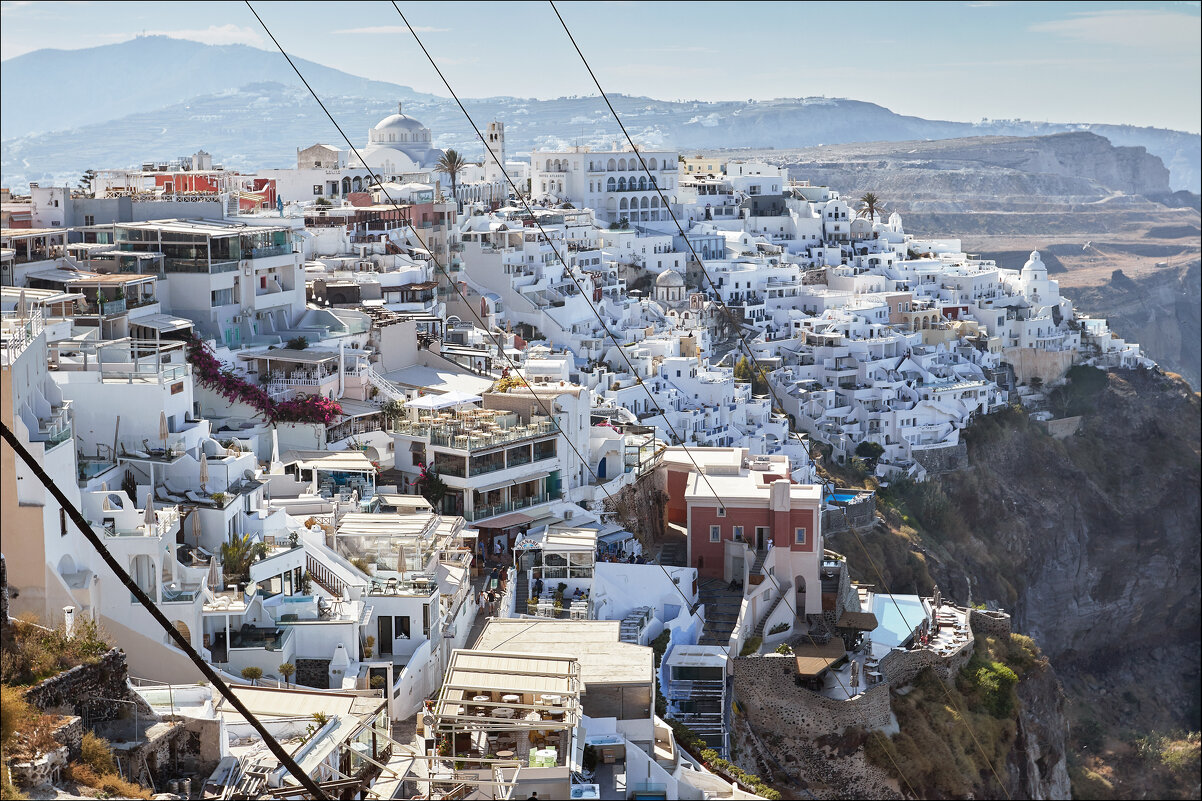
(41, 771)
(1062, 428)
(313, 673)
(899, 667)
(766, 688)
(860, 514)
(69, 734)
(3, 593)
(985, 623)
(942, 460)
(82, 690)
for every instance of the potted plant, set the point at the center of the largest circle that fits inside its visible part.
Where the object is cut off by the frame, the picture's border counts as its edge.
(369, 647)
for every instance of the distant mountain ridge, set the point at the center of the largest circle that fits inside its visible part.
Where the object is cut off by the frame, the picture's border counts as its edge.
(167, 97)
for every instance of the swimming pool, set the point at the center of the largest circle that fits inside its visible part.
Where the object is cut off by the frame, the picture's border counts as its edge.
(894, 627)
(841, 497)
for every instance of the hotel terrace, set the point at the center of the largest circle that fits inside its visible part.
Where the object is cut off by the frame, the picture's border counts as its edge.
(488, 459)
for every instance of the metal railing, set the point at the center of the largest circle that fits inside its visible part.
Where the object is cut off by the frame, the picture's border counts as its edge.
(18, 331)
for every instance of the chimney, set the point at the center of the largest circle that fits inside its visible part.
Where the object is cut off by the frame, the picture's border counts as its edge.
(69, 621)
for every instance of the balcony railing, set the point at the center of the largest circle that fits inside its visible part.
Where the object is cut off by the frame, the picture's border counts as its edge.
(199, 266)
(475, 439)
(270, 250)
(110, 308)
(485, 512)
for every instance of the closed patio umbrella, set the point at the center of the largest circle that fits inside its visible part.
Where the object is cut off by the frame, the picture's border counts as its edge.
(204, 469)
(163, 432)
(148, 516)
(196, 528)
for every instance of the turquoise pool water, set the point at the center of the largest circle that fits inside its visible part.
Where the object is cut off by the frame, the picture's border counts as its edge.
(894, 627)
(841, 497)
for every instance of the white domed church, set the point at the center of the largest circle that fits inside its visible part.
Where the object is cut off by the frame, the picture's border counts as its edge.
(399, 144)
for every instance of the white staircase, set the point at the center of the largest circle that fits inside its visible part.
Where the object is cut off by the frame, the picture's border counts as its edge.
(387, 389)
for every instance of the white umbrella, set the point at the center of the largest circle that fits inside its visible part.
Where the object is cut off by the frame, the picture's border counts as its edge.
(149, 517)
(163, 432)
(204, 469)
(21, 306)
(106, 506)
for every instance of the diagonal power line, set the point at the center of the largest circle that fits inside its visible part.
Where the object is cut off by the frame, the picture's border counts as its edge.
(180, 640)
(454, 284)
(567, 268)
(730, 318)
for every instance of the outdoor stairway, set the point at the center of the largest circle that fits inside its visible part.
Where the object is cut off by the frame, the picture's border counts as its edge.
(633, 625)
(673, 550)
(759, 627)
(522, 591)
(757, 567)
(721, 611)
(387, 389)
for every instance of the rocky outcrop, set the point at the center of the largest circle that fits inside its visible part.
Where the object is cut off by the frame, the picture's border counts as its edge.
(1038, 764)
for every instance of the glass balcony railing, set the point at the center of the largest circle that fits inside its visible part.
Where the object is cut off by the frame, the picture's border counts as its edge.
(269, 251)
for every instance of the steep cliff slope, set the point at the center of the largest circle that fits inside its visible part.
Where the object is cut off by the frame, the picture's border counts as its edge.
(1091, 542)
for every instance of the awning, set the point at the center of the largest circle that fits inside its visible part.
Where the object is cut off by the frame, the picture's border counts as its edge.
(506, 521)
(163, 323)
(444, 401)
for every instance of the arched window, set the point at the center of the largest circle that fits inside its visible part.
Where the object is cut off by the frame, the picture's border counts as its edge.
(613, 165)
(357, 184)
(623, 205)
(652, 164)
(346, 186)
(643, 183)
(655, 202)
(645, 203)
(611, 185)
(621, 164)
(621, 184)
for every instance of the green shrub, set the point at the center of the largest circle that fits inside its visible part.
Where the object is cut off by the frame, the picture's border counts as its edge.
(784, 648)
(779, 628)
(252, 674)
(751, 646)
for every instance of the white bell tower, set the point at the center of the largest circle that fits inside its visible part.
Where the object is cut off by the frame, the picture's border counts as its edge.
(494, 155)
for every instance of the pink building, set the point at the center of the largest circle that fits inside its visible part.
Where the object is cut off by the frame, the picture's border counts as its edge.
(739, 507)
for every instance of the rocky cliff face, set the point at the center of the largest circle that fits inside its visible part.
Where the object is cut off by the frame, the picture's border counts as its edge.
(984, 171)
(1038, 763)
(1093, 544)
(1162, 311)
(1091, 541)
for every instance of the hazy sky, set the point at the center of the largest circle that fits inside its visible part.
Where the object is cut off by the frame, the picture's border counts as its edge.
(1135, 63)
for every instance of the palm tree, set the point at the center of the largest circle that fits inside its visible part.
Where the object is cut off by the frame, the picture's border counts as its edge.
(871, 202)
(452, 164)
(238, 553)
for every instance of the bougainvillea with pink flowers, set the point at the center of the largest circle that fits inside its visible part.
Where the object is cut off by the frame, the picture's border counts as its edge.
(208, 370)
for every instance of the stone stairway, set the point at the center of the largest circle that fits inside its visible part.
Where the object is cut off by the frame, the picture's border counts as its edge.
(757, 567)
(759, 627)
(673, 551)
(721, 611)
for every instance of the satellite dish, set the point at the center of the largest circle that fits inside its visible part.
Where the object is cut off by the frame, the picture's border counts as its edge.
(427, 721)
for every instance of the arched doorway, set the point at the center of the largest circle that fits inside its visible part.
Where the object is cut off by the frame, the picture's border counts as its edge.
(183, 629)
